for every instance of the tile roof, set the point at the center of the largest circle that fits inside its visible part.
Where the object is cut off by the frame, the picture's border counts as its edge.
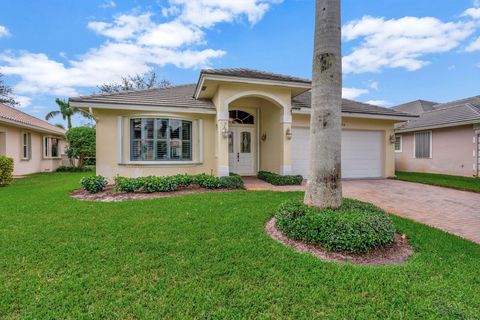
(446, 114)
(416, 107)
(22, 119)
(304, 101)
(254, 74)
(176, 96)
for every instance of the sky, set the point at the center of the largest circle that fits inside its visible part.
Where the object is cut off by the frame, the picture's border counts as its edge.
(394, 51)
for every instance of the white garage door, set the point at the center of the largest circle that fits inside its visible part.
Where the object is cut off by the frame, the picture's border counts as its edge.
(362, 153)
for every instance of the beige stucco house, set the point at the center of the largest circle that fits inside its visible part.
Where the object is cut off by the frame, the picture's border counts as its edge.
(444, 139)
(231, 120)
(35, 145)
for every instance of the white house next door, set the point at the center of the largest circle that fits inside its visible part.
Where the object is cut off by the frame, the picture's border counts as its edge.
(241, 150)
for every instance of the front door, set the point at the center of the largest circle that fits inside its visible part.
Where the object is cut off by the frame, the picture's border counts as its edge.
(241, 150)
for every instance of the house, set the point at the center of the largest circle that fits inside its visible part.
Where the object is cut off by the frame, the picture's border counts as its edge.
(444, 139)
(35, 145)
(231, 120)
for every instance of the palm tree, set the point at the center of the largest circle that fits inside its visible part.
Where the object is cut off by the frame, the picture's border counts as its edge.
(324, 188)
(66, 111)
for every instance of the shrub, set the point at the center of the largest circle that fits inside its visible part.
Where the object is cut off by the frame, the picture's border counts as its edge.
(157, 184)
(127, 184)
(6, 171)
(183, 180)
(93, 184)
(278, 180)
(81, 143)
(207, 181)
(74, 169)
(232, 182)
(355, 227)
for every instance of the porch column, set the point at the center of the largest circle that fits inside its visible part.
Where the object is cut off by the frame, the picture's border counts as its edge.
(222, 145)
(286, 168)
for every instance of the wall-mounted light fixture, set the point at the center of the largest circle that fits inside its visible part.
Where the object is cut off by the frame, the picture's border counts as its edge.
(392, 138)
(225, 131)
(264, 137)
(288, 134)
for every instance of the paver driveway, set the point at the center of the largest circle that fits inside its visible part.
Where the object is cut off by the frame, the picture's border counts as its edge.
(454, 211)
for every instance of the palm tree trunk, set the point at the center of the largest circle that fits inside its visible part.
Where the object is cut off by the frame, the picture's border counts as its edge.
(69, 119)
(324, 188)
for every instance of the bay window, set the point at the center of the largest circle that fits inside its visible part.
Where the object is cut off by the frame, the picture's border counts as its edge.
(159, 139)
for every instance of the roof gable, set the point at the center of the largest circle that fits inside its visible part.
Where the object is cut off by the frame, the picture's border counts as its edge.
(20, 118)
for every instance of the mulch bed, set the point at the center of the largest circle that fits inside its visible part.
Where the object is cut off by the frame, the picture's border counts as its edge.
(110, 195)
(397, 253)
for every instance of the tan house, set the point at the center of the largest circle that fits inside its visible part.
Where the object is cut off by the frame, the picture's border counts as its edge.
(231, 120)
(444, 139)
(35, 145)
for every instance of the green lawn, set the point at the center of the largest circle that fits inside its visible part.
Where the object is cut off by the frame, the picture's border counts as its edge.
(442, 180)
(206, 256)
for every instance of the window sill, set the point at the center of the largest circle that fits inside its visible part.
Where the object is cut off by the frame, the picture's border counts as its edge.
(52, 158)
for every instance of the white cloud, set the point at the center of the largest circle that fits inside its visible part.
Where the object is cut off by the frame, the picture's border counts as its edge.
(135, 43)
(373, 84)
(352, 93)
(4, 32)
(472, 13)
(108, 4)
(474, 46)
(23, 101)
(400, 43)
(381, 103)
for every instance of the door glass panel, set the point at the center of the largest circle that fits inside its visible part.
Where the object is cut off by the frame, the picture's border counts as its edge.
(230, 142)
(245, 146)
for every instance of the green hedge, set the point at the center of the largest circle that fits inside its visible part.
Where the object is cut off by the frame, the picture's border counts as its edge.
(278, 180)
(173, 183)
(6, 171)
(93, 184)
(74, 169)
(355, 227)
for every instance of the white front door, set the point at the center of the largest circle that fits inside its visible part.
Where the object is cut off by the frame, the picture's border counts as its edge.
(241, 150)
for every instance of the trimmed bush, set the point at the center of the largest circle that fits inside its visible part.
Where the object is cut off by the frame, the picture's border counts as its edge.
(278, 180)
(173, 183)
(6, 171)
(355, 227)
(232, 182)
(74, 169)
(93, 184)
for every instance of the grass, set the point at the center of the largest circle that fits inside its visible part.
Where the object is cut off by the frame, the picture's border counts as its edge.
(206, 256)
(442, 180)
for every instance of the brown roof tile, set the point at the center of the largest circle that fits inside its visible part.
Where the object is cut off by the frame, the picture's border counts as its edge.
(23, 119)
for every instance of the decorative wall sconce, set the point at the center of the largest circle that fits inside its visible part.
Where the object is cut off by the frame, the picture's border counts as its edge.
(264, 137)
(288, 134)
(392, 138)
(225, 131)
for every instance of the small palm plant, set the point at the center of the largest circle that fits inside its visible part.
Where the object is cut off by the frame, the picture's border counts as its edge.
(66, 111)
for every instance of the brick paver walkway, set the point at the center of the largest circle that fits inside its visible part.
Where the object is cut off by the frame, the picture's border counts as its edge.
(454, 211)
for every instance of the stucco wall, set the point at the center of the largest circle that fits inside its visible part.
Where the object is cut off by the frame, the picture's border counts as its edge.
(348, 123)
(109, 145)
(11, 146)
(453, 152)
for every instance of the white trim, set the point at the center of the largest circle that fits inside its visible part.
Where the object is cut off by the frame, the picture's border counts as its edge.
(138, 107)
(286, 118)
(431, 144)
(223, 171)
(120, 125)
(401, 143)
(224, 78)
(49, 157)
(361, 115)
(286, 170)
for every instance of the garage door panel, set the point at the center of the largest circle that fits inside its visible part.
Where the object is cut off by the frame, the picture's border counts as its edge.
(362, 153)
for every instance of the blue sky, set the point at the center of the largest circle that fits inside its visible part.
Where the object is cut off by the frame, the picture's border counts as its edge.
(394, 50)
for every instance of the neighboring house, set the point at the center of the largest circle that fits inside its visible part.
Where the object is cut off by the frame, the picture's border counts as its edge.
(444, 139)
(35, 145)
(232, 120)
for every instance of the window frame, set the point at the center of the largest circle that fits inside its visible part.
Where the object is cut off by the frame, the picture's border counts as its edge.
(401, 143)
(430, 156)
(156, 120)
(27, 145)
(47, 148)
